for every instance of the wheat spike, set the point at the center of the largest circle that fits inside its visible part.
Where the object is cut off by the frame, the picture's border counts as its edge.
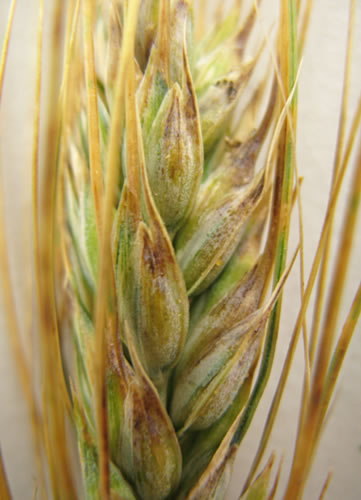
(169, 180)
(183, 220)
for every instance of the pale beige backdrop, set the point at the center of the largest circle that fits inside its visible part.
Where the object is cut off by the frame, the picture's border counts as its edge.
(319, 101)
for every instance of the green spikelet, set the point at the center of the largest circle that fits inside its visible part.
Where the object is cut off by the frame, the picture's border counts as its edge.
(143, 440)
(118, 485)
(171, 129)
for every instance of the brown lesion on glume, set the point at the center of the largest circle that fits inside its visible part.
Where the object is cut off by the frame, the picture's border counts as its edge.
(154, 413)
(154, 256)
